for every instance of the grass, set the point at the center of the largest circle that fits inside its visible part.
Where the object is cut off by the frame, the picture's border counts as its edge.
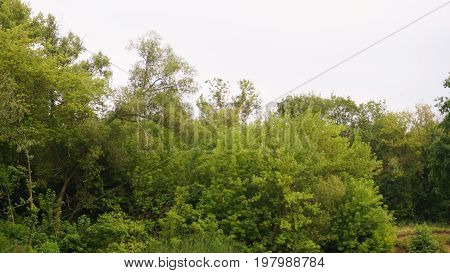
(201, 244)
(440, 233)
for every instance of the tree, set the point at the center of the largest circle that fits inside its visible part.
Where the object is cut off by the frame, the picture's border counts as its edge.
(447, 82)
(158, 81)
(13, 13)
(220, 105)
(261, 188)
(247, 102)
(437, 204)
(48, 99)
(339, 110)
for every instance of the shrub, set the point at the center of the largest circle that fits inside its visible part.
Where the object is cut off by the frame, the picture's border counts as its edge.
(359, 222)
(73, 240)
(5, 244)
(422, 241)
(13, 237)
(114, 232)
(48, 247)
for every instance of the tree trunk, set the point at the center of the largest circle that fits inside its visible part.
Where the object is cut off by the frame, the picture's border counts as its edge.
(11, 210)
(59, 200)
(30, 182)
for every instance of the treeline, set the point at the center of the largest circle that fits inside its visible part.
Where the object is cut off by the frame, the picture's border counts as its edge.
(85, 167)
(412, 148)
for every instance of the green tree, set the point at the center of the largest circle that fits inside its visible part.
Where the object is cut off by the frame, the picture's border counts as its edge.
(13, 13)
(221, 106)
(48, 100)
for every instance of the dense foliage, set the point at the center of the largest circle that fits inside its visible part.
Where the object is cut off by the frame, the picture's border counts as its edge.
(88, 168)
(422, 242)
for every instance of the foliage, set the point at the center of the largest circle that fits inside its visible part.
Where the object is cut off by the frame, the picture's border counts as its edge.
(88, 168)
(422, 242)
(13, 237)
(440, 234)
(201, 243)
(361, 224)
(48, 247)
(412, 147)
(113, 232)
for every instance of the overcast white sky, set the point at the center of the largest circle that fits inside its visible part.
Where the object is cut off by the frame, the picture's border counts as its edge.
(279, 44)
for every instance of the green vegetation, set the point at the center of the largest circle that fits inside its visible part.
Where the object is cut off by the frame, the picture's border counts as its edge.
(422, 241)
(423, 238)
(88, 168)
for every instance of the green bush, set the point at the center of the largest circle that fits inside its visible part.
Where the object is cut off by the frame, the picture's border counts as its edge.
(13, 237)
(314, 193)
(114, 232)
(422, 241)
(359, 222)
(48, 247)
(5, 244)
(72, 239)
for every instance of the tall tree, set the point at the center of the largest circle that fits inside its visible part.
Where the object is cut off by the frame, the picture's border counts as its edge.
(48, 97)
(221, 105)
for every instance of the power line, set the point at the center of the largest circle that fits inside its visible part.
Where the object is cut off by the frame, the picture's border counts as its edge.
(358, 53)
(113, 64)
(273, 101)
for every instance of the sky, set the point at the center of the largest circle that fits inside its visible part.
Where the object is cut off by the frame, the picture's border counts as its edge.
(280, 44)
